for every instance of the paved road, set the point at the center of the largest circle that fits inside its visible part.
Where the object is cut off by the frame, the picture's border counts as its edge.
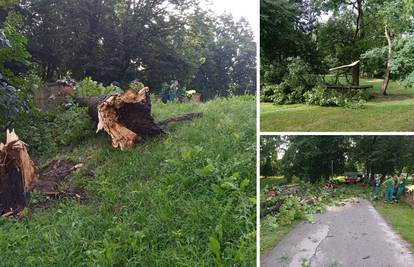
(352, 235)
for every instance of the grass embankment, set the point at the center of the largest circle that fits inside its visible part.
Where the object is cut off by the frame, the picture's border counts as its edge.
(401, 217)
(393, 113)
(184, 200)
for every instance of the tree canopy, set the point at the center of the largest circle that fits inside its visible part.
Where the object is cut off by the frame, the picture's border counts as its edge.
(329, 33)
(152, 41)
(315, 158)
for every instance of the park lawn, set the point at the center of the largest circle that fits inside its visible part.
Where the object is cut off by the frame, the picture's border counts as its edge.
(401, 217)
(394, 113)
(188, 199)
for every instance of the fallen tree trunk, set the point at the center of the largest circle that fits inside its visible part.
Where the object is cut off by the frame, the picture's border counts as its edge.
(127, 117)
(17, 173)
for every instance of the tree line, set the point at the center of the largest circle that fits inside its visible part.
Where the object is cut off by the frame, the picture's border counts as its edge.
(316, 158)
(331, 33)
(123, 40)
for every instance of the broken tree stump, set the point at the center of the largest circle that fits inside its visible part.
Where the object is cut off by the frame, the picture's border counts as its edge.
(17, 173)
(127, 117)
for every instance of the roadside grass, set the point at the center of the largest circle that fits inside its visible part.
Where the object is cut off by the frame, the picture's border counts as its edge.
(270, 235)
(184, 200)
(401, 217)
(385, 114)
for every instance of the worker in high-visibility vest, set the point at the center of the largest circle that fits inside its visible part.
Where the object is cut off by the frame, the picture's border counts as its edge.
(400, 187)
(389, 188)
(377, 187)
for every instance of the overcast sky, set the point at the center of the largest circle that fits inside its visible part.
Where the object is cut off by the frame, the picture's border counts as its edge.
(249, 9)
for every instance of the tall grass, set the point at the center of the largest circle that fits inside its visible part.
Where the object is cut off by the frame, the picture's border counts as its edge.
(184, 200)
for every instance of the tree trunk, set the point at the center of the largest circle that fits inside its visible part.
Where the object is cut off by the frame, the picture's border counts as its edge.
(355, 74)
(359, 33)
(17, 173)
(384, 86)
(127, 117)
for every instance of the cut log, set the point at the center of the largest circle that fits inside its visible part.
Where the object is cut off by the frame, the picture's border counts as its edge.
(127, 117)
(17, 173)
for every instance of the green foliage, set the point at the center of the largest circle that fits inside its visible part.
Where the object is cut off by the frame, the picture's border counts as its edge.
(16, 54)
(10, 103)
(267, 92)
(186, 199)
(171, 40)
(409, 80)
(47, 132)
(312, 118)
(323, 96)
(297, 81)
(88, 88)
(285, 32)
(136, 85)
(291, 210)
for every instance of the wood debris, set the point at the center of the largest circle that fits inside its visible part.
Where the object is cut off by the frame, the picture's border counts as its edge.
(17, 173)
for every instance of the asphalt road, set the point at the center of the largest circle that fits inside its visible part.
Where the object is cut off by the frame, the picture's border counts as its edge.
(351, 235)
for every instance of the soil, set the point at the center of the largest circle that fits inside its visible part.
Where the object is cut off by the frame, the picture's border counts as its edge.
(55, 183)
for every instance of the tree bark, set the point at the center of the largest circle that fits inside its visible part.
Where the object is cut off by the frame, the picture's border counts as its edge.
(127, 117)
(17, 173)
(384, 85)
(359, 32)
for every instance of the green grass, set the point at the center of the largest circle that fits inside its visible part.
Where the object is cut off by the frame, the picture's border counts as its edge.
(390, 114)
(401, 217)
(270, 236)
(184, 200)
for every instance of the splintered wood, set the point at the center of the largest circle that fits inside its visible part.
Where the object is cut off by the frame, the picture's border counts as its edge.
(127, 118)
(17, 172)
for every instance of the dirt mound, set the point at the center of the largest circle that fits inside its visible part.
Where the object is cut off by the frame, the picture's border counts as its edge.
(53, 183)
(55, 173)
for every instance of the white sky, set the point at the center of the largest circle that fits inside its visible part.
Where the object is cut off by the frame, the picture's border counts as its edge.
(249, 9)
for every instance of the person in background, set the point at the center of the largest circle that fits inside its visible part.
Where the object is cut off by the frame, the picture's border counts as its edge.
(394, 190)
(389, 188)
(376, 184)
(174, 90)
(400, 187)
(165, 92)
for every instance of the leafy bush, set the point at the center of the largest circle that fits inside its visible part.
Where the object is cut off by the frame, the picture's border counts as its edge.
(328, 97)
(10, 102)
(267, 92)
(88, 88)
(136, 85)
(297, 81)
(291, 210)
(48, 131)
(271, 73)
(409, 81)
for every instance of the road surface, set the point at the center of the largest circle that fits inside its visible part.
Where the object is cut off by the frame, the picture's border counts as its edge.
(351, 235)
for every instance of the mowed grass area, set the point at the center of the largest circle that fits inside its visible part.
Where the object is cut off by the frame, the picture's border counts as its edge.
(184, 200)
(401, 217)
(394, 113)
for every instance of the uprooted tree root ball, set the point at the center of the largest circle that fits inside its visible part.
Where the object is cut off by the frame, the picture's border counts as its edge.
(19, 177)
(127, 117)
